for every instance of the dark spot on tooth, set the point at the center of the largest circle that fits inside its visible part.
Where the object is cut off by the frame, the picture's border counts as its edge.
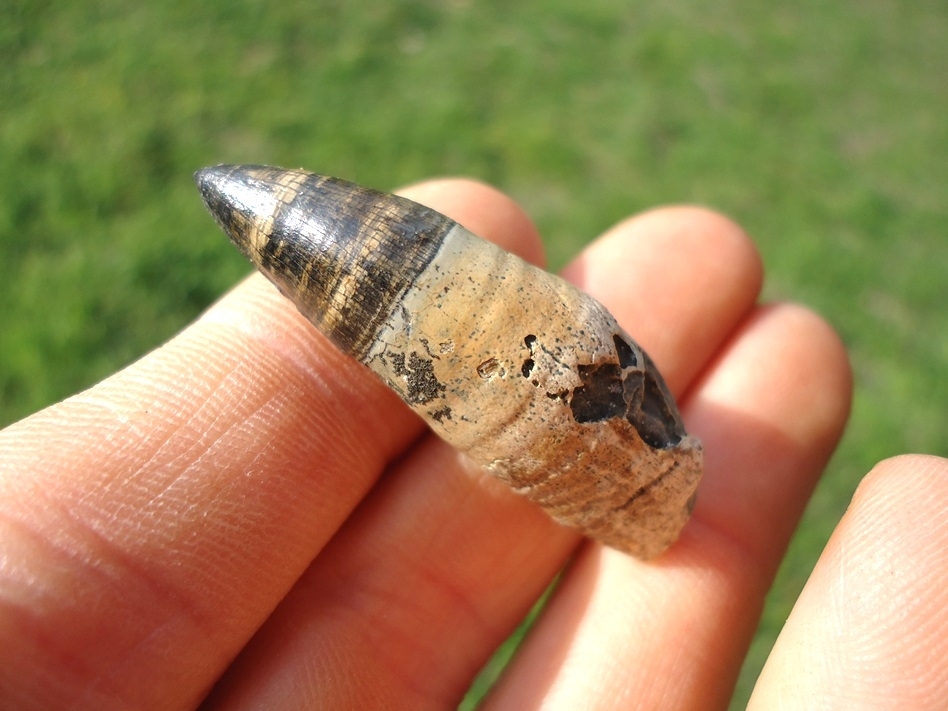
(527, 367)
(440, 415)
(642, 491)
(625, 352)
(600, 396)
(656, 420)
(608, 391)
(418, 372)
(489, 368)
(690, 504)
(530, 341)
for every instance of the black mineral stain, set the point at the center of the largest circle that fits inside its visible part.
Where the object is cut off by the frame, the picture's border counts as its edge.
(600, 397)
(528, 364)
(625, 352)
(440, 415)
(418, 372)
(611, 390)
(641, 491)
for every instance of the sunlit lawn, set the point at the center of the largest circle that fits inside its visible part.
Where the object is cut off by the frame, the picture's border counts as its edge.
(819, 126)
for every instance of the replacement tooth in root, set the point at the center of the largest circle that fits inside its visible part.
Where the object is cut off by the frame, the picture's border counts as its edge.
(529, 376)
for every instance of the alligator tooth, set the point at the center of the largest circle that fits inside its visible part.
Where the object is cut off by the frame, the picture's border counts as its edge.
(529, 376)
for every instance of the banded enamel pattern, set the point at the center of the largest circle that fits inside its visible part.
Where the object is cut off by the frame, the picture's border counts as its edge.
(533, 379)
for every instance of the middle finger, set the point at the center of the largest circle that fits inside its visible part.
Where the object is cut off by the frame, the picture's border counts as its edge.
(434, 560)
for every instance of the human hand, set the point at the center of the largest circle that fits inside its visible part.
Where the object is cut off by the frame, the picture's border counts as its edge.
(246, 504)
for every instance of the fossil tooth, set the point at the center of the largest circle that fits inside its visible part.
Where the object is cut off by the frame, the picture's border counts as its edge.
(529, 376)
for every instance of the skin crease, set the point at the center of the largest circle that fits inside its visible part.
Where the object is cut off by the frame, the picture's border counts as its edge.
(244, 513)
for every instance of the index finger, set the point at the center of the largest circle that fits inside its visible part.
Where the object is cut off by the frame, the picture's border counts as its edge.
(149, 524)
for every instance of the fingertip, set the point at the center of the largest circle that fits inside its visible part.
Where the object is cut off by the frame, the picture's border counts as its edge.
(690, 219)
(674, 233)
(679, 279)
(775, 399)
(484, 210)
(870, 625)
(915, 472)
(822, 360)
(900, 497)
(897, 512)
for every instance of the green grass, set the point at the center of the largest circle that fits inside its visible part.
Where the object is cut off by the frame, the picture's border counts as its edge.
(819, 126)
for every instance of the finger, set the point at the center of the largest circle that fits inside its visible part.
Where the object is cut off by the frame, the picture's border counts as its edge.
(870, 628)
(149, 525)
(668, 275)
(672, 634)
(439, 563)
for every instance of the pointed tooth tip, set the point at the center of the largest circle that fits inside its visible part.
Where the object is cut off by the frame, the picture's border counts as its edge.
(217, 187)
(206, 174)
(208, 182)
(212, 176)
(225, 187)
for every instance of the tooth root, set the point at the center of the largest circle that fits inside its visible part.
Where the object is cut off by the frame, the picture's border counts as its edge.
(529, 376)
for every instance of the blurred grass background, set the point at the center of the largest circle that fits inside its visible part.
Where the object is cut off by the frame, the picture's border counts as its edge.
(819, 126)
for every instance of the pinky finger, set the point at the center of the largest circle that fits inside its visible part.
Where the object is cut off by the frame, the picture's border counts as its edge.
(870, 629)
